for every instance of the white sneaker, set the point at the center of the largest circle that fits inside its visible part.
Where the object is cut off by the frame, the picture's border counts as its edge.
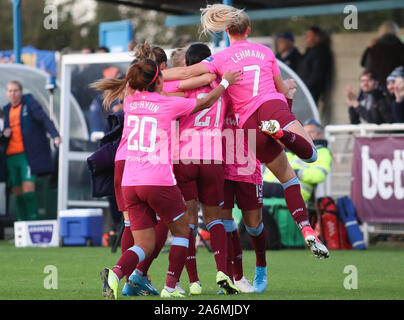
(270, 127)
(244, 285)
(319, 250)
(178, 287)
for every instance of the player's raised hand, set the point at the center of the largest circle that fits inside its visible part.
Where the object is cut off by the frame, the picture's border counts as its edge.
(290, 83)
(233, 77)
(292, 87)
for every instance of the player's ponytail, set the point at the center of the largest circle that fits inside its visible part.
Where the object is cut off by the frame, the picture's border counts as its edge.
(219, 17)
(146, 51)
(113, 90)
(141, 75)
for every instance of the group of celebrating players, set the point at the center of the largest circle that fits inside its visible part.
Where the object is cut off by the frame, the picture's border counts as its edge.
(158, 182)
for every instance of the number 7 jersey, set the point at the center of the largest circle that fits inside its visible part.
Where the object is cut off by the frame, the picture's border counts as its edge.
(259, 67)
(149, 125)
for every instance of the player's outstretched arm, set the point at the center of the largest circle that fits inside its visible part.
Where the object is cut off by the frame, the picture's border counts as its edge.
(280, 85)
(197, 82)
(182, 73)
(192, 83)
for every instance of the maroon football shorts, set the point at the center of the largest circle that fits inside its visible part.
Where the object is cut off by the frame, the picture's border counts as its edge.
(267, 149)
(203, 182)
(248, 196)
(118, 173)
(144, 202)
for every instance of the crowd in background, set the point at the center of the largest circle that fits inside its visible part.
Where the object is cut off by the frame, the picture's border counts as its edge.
(380, 98)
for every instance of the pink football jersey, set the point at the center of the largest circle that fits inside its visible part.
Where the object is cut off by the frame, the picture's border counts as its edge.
(240, 163)
(149, 123)
(259, 67)
(200, 134)
(171, 86)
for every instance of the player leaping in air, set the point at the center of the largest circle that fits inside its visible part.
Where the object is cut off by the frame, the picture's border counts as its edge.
(260, 102)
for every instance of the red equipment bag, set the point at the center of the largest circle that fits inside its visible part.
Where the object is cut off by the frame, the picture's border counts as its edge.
(343, 236)
(332, 230)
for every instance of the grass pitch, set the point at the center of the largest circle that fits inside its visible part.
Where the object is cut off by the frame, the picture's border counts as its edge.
(293, 274)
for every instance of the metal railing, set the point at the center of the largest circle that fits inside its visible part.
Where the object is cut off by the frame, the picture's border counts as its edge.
(341, 143)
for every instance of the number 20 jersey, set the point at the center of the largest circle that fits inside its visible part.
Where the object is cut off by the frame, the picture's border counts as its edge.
(149, 125)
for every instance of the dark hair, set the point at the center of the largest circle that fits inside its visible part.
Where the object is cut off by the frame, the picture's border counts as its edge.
(196, 53)
(316, 30)
(141, 76)
(103, 49)
(324, 37)
(159, 55)
(371, 74)
(17, 83)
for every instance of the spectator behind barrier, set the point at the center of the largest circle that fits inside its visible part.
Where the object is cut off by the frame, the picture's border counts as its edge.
(396, 73)
(28, 151)
(286, 50)
(309, 174)
(316, 67)
(98, 116)
(102, 50)
(372, 105)
(384, 53)
(398, 103)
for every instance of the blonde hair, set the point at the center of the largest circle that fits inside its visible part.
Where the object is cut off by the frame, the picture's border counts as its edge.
(177, 57)
(219, 17)
(387, 27)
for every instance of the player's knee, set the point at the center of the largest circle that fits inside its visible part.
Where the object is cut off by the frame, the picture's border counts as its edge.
(229, 225)
(252, 218)
(255, 231)
(179, 227)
